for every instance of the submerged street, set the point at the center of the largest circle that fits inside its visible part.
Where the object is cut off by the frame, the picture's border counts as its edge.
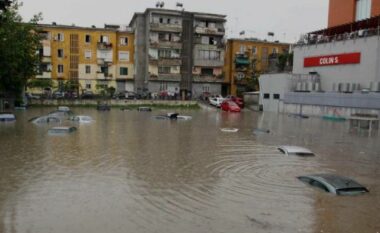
(129, 172)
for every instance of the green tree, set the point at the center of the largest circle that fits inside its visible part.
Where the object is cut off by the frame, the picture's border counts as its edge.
(19, 42)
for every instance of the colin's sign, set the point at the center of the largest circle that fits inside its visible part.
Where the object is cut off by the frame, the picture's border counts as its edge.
(331, 60)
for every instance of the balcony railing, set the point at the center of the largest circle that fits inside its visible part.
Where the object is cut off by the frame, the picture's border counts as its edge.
(104, 45)
(44, 74)
(210, 31)
(166, 27)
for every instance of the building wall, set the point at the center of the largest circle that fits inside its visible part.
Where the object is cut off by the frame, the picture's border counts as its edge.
(344, 11)
(246, 47)
(271, 85)
(87, 80)
(364, 73)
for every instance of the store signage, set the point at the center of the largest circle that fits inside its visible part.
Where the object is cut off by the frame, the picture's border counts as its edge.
(332, 60)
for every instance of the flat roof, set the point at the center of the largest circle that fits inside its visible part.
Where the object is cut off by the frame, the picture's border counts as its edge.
(255, 40)
(211, 16)
(108, 27)
(373, 22)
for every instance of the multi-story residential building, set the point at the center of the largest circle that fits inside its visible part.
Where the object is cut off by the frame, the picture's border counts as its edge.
(178, 51)
(349, 11)
(93, 57)
(246, 58)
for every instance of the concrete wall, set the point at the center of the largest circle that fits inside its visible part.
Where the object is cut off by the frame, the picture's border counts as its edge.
(113, 102)
(214, 89)
(364, 73)
(274, 84)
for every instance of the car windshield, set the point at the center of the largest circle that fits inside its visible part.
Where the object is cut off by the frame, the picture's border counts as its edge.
(351, 191)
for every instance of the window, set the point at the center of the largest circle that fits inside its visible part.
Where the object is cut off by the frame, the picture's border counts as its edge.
(266, 96)
(209, 55)
(164, 69)
(212, 41)
(60, 53)
(124, 56)
(104, 70)
(60, 37)
(123, 70)
(88, 54)
(207, 71)
(164, 53)
(161, 20)
(88, 69)
(206, 88)
(254, 50)
(124, 41)
(104, 39)
(60, 69)
(88, 86)
(240, 76)
(243, 48)
(276, 96)
(363, 9)
(88, 39)
(168, 20)
(275, 50)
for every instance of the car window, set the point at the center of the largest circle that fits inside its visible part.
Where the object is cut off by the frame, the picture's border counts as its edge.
(319, 185)
(303, 154)
(351, 191)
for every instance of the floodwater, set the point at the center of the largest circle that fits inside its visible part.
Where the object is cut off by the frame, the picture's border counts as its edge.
(128, 172)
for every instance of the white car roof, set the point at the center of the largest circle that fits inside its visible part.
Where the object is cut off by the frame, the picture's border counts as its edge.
(295, 150)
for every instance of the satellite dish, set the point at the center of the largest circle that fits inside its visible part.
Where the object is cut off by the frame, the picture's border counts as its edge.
(162, 4)
(157, 4)
(179, 4)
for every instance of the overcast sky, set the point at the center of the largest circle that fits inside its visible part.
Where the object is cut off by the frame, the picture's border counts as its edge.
(286, 18)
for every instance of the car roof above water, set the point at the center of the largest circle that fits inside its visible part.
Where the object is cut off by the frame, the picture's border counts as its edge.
(295, 150)
(338, 182)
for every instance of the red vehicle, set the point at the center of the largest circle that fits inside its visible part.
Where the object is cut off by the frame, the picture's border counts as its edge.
(237, 100)
(230, 106)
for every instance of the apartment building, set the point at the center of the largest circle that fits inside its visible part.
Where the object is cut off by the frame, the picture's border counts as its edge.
(94, 57)
(349, 11)
(248, 57)
(178, 52)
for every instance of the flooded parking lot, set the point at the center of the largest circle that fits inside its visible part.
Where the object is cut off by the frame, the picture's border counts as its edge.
(129, 172)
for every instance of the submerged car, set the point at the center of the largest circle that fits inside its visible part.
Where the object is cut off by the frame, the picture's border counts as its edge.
(103, 107)
(7, 117)
(173, 116)
(237, 100)
(45, 119)
(334, 184)
(295, 150)
(82, 119)
(230, 106)
(216, 101)
(62, 130)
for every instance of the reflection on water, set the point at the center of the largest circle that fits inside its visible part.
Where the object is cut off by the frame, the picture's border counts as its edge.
(128, 172)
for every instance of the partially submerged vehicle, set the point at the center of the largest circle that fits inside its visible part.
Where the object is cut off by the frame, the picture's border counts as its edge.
(61, 114)
(296, 150)
(334, 184)
(62, 130)
(173, 116)
(229, 130)
(45, 119)
(82, 119)
(64, 109)
(7, 117)
(144, 109)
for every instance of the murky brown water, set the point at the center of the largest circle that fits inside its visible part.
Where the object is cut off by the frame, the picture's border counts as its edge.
(130, 173)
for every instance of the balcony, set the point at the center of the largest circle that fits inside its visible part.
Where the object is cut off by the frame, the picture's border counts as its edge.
(104, 45)
(208, 63)
(166, 44)
(208, 78)
(45, 59)
(210, 31)
(169, 61)
(166, 77)
(165, 27)
(45, 74)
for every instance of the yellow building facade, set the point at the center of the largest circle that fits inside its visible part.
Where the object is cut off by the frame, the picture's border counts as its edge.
(247, 57)
(94, 57)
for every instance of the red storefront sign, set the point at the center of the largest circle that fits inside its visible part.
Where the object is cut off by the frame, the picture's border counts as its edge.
(332, 60)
